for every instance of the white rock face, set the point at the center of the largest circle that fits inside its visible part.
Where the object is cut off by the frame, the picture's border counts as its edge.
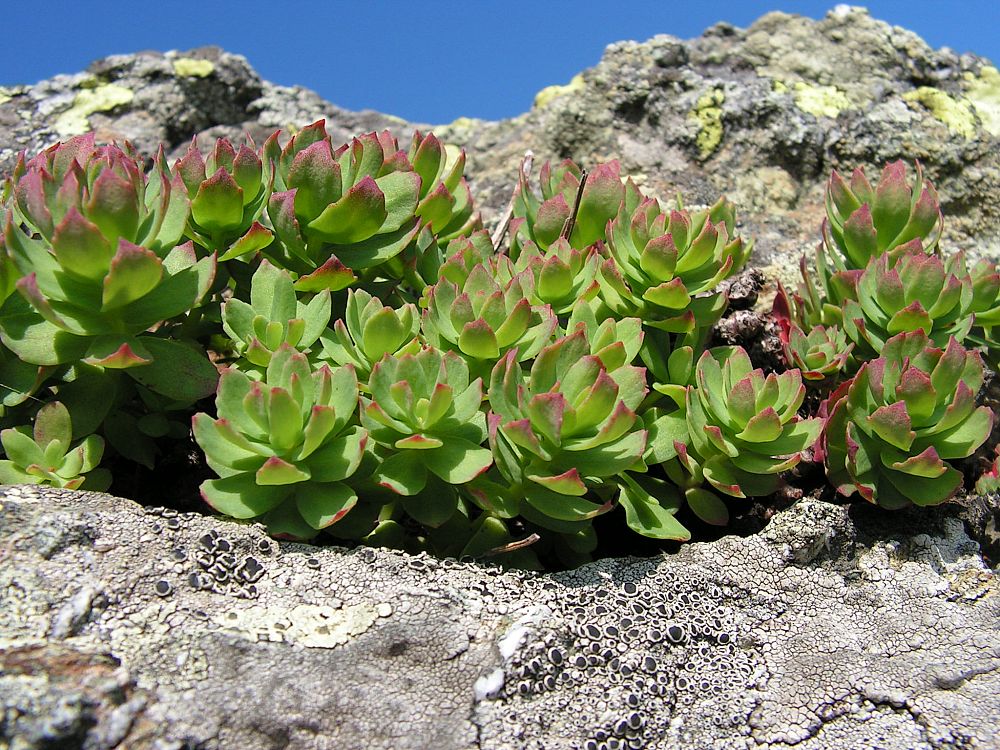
(832, 628)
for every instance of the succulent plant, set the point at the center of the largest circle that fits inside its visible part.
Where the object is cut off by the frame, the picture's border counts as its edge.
(567, 431)
(665, 269)
(45, 453)
(274, 317)
(820, 355)
(284, 447)
(543, 219)
(426, 262)
(446, 208)
(986, 308)
(863, 222)
(912, 292)
(95, 243)
(484, 321)
(989, 482)
(368, 331)
(424, 415)
(893, 428)
(562, 274)
(341, 210)
(744, 426)
(228, 191)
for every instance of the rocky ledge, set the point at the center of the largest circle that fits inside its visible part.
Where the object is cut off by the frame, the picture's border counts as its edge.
(835, 627)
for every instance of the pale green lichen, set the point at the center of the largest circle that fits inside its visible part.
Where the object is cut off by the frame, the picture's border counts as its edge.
(707, 112)
(190, 67)
(820, 101)
(88, 101)
(957, 115)
(307, 625)
(546, 95)
(984, 93)
(5, 95)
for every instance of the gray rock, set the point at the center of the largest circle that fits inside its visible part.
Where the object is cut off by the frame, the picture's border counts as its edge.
(835, 627)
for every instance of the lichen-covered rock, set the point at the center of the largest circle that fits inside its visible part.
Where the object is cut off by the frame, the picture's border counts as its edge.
(125, 627)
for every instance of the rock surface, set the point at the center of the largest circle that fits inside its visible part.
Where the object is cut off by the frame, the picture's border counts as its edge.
(836, 627)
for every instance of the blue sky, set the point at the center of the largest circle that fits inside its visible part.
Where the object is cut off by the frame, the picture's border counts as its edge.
(430, 60)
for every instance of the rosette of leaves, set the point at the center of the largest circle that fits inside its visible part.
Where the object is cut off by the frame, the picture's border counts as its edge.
(340, 210)
(913, 292)
(424, 416)
(46, 454)
(368, 331)
(542, 219)
(483, 321)
(274, 316)
(446, 208)
(820, 355)
(864, 222)
(564, 435)
(425, 267)
(284, 447)
(664, 269)
(893, 428)
(743, 428)
(989, 481)
(986, 308)
(95, 243)
(562, 274)
(229, 191)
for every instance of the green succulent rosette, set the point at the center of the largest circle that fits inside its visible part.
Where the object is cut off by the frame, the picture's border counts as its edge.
(912, 292)
(229, 191)
(424, 416)
(542, 219)
(273, 317)
(820, 355)
(865, 222)
(564, 435)
(892, 430)
(368, 331)
(986, 308)
(94, 242)
(483, 320)
(45, 453)
(742, 431)
(562, 274)
(664, 268)
(285, 446)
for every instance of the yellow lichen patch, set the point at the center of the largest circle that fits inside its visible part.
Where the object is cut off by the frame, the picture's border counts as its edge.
(189, 66)
(306, 624)
(984, 93)
(820, 101)
(4, 95)
(957, 115)
(546, 95)
(708, 114)
(779, 87)
(88, 101)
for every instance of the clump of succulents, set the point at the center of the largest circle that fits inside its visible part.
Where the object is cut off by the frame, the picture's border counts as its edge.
(46, 453)
(273, 317)
(360, 307)
(229, 191)
(892, 429)
(368, 331)
(284, 446)
(743, 428)
(424, 417)
(557, 212)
